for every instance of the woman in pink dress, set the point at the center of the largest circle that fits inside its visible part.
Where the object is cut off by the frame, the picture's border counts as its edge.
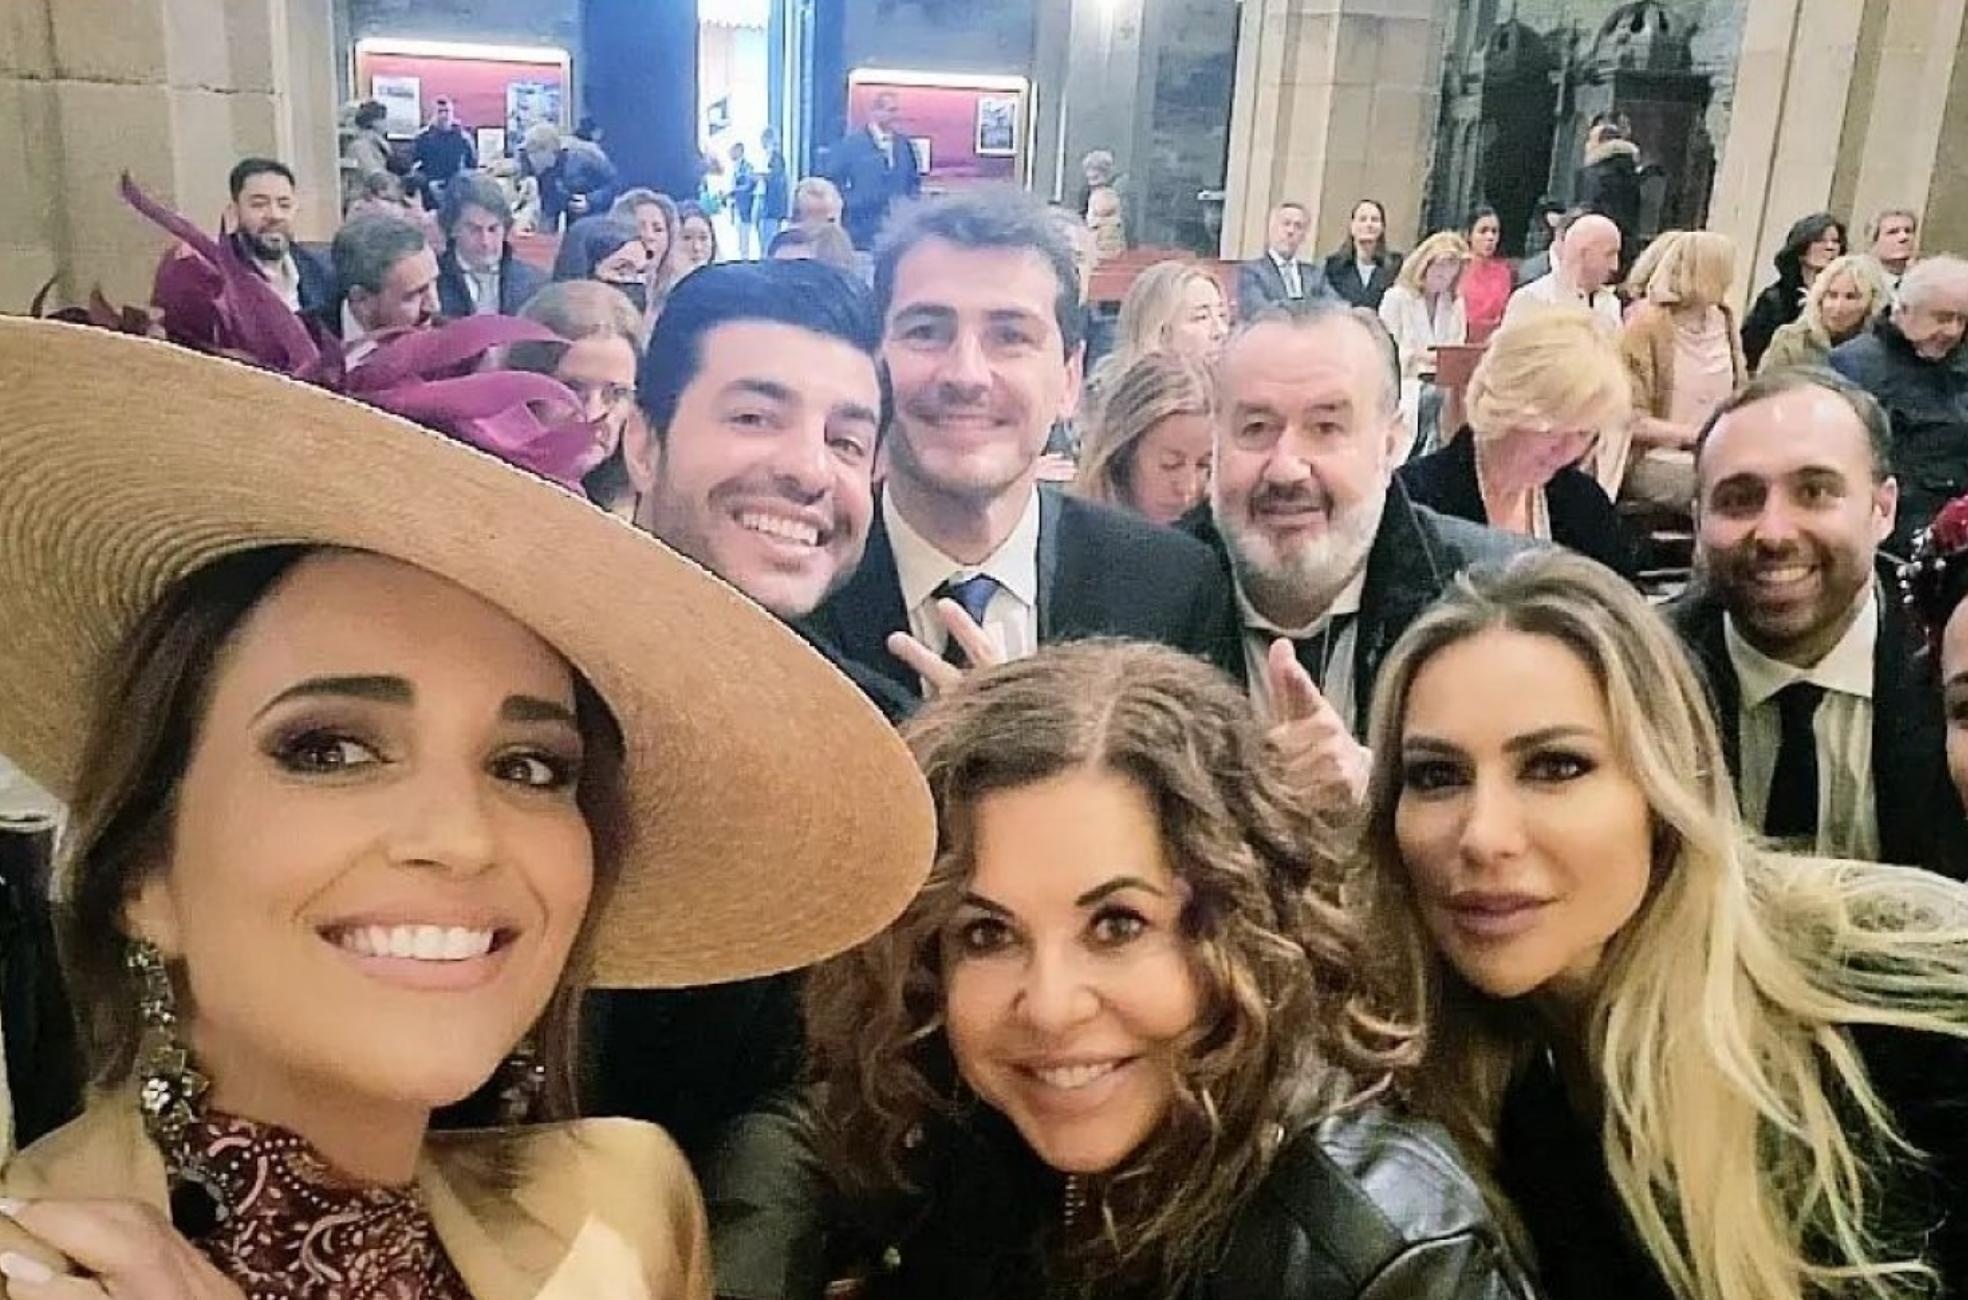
(1486, 278)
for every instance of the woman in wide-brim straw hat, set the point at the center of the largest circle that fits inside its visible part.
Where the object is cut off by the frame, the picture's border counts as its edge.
(378, 750)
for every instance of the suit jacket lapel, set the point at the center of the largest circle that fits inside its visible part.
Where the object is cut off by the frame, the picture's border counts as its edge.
(1402, 579)
(1909, 744)
(861, 614)
(1274, 279)
(1051, 581)
(1705, 636)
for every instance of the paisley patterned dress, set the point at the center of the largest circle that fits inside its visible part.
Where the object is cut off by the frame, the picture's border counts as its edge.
(296, 1229)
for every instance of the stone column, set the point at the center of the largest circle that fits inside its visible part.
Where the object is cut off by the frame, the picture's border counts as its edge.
(1336, 100)
(174, 91)
(1844, 112)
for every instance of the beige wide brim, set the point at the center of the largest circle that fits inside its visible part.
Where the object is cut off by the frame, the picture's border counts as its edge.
(777, 818)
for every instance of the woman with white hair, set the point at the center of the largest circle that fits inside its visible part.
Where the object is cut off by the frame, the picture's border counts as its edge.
(1841, 304)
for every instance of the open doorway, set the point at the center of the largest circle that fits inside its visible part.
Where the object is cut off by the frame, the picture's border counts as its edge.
(753, 60)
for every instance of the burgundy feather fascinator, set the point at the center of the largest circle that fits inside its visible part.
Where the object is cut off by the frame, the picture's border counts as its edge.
(208, 298)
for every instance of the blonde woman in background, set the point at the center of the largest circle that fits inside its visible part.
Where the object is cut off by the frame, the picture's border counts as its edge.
(1689, 1066)
(1550, 385)
(1149, 452)
(1423, 311)
(816, 200)
(1684, 350)
(655, 219)
(1171, 307)
(1842, 303)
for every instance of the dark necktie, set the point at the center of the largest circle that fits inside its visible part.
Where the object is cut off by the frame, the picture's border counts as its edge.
(1792, 811)
(974, 594)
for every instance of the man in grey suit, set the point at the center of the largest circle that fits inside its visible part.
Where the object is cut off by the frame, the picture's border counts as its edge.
(1279, 276)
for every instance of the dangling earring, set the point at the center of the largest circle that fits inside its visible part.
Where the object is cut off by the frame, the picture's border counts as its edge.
(170, 1093)
(522, 1082)
(170, 1087)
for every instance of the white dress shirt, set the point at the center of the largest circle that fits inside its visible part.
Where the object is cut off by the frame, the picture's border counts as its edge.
(356, 343)
(1848, 816)
(1288, 272)
(484, 289)
(285, 277)
(1012, 617)
(1260, 632)
(1551, 291)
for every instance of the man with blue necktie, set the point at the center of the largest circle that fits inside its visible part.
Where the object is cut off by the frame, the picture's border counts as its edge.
(981, 309)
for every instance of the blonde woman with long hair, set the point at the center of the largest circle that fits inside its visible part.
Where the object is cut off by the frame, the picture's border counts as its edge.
(1424, 311)
(1549, 386)
(1688, 1065)
(1171, 307)
(1684, 351)
(1841, 304)
(1149, 451)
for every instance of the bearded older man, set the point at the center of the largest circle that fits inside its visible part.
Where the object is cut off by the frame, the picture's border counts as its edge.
(1330, 559)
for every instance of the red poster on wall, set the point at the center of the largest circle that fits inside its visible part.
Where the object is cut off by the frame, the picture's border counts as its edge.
(966, 128)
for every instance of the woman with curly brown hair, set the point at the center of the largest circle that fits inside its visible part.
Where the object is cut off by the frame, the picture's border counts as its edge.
(1119, 1044)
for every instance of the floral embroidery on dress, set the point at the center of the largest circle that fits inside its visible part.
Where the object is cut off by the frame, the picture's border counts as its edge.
(296, 1229)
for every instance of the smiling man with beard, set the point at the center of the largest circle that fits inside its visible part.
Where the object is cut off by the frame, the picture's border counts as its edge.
(262, 220)
(760, 403)
(982, 337)
(1331, 561)
(1829, 713)
(762, 398)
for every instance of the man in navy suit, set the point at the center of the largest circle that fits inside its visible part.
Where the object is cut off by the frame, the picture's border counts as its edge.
(982, 336)
(872, 168)
(478, 274)
(262, 221)
(1280, 275)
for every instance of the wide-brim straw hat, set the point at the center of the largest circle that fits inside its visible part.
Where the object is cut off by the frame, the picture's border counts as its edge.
(776, 817)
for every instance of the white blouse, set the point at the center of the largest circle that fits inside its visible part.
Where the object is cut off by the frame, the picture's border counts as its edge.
(1415, 330)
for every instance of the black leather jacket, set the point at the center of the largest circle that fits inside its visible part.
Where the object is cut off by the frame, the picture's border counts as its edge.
(1367, 1207)
(1364, 1206)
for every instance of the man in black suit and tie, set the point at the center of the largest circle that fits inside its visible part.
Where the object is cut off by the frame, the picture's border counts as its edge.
(1281, 276)
(1331, 561)
(982, 338)
(1831, 717)
(872, 168)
